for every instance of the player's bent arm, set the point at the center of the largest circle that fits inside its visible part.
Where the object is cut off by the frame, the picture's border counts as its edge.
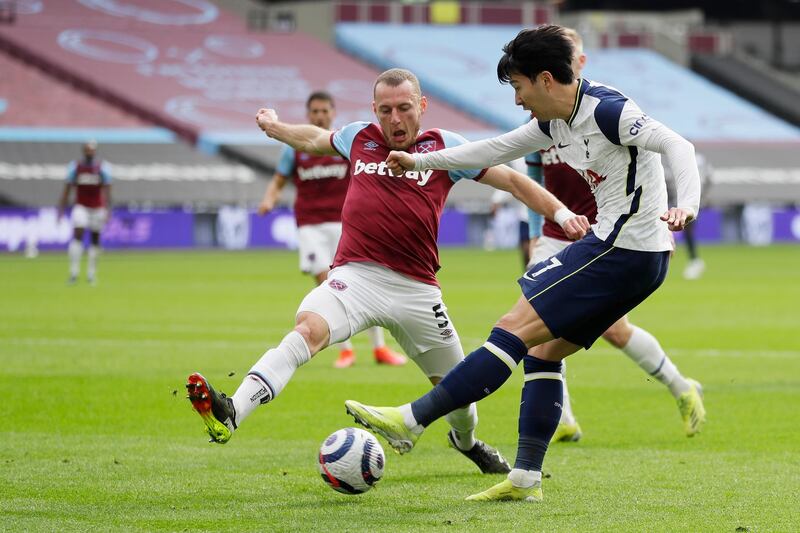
(639, 130)
(536, 198)
(302, 137)
(272, 194)
(62, 202)
(487, 152)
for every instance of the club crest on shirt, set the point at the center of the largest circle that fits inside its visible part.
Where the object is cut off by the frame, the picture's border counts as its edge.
(426, 146)
(337, 284)
(371, 146)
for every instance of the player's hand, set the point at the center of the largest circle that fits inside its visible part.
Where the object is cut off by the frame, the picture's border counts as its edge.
(266, 118)
(399, 162)
(677, 218)
(576, 227)
(265, 207)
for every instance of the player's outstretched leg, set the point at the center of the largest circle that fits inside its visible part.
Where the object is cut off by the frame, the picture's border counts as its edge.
(540, 411)
(481, 373)
(214, 408)
(264, 382)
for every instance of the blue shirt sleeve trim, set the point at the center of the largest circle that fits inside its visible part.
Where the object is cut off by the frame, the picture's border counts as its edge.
(453, 139)
(342, 140)
(286, 164)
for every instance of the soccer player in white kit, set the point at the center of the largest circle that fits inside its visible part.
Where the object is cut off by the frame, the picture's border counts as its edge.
(321, 182)
(384, 272)
(638, 344)
(569, 300)
(91, 180)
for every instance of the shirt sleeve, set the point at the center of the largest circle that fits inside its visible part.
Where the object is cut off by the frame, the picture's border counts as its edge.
(637, 129)
(342, 139)
(105, 173)
(286, 165)
(488, 152)
(453, 139)
(72, 172)
(535, 220)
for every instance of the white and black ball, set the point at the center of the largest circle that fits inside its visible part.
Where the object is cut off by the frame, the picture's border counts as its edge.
(351, 461)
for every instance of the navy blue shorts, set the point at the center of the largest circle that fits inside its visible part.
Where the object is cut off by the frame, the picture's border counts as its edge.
(581, 291)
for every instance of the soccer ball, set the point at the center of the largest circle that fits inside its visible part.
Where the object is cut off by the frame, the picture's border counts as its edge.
(351, 461)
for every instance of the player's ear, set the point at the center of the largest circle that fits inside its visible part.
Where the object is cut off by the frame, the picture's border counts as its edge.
(374, 108)
(423, 103)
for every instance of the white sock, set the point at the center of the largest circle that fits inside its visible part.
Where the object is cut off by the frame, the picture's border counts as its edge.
(409, 420)
(345, 345)
(645, 350)
(270, 374)
(567, 416)
(463, 422)
(74, 252)
(91, 263)
(376, 337)
(524, 479)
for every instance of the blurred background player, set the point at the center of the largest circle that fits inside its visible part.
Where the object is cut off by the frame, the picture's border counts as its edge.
(91, 180)
(321, 182)
(547, 168)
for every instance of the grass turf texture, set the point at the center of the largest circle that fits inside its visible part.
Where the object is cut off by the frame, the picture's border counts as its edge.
(97, 435)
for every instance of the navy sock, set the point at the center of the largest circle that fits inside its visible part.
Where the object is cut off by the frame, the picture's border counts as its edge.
(539, 411)
(481, 373)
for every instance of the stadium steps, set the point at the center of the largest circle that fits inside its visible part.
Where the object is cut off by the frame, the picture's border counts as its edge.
(743, 78)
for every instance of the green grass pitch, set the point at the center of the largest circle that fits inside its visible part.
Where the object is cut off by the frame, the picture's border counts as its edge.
(96, 433)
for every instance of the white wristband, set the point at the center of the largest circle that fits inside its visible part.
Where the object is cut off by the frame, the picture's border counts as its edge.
(562, 215)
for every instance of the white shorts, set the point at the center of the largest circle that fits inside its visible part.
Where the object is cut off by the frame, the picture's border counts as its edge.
(93, 218)
(317, 246)
(547, 247)
(357, 296)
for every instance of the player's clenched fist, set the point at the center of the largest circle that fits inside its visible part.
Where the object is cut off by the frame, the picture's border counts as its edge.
(576, 228)
(265, 118)
(399, 162)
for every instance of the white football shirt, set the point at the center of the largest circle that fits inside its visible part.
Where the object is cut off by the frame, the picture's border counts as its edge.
(615, 147)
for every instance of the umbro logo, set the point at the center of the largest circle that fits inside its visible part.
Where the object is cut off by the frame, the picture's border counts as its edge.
(371, 146)
(562, 145)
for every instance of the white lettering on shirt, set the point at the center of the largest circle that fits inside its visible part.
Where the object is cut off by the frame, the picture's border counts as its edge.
(421, 177)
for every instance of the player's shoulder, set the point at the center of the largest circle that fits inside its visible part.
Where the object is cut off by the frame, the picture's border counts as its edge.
(443, 138)
(609, 104)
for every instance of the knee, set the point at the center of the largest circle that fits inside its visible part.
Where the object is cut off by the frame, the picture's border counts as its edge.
(314, 330)
(618, 335)
(507, 322)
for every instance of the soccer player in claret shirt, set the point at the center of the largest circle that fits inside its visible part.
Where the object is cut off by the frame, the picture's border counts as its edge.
(547, 168)
(91, 180)
(384, 272)
(569, 300)
(321, 182)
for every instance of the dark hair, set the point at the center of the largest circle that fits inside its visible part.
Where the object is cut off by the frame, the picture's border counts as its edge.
(535, 50)
(320, 95)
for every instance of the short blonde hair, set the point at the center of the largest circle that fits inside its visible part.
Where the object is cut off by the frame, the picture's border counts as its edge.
(575, 37)
(397, 76)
